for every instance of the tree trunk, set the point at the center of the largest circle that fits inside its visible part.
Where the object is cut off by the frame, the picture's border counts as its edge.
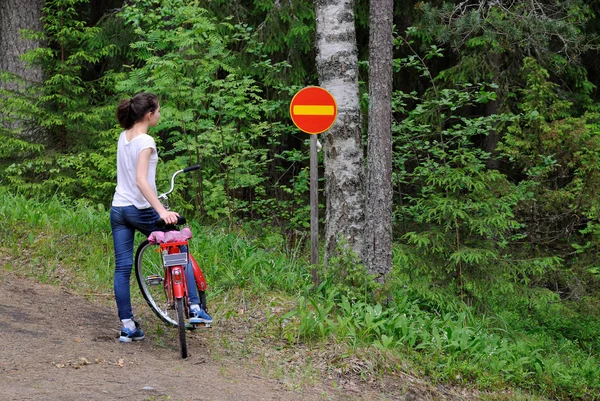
(377, 254)
(337, 65)
(14, 16)
(490, 142)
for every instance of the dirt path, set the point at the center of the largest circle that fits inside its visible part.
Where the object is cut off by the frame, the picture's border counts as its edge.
(59, 346)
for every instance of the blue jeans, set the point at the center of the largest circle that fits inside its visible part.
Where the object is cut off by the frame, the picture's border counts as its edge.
(124, 220)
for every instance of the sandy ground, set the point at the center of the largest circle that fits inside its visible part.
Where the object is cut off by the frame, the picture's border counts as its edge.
(58, 346)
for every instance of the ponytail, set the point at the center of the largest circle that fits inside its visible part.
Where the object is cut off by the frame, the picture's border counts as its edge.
(132, 110)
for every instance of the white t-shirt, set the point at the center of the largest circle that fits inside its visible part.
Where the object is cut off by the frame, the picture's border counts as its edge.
(127, 192)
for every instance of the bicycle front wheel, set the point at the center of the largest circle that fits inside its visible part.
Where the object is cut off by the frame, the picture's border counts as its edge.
(181, 327)
(150, 275)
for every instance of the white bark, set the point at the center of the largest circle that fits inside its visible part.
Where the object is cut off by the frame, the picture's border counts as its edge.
(337, 65)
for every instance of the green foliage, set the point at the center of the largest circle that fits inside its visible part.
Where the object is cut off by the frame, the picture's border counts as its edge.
(287, 31)
(486, 232)
(459, 346)
(280, 57)
(66, 242)
(59, 126)
(555, 156)
(494, 236)
(59, 135)
(491, 42)
(459, 214)
(212, 113)
(230, 261)
(345, 276)
(540, 350)
(518, 243)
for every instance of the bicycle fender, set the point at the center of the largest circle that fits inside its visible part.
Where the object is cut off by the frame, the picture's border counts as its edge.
(198, 275)
(178, 281)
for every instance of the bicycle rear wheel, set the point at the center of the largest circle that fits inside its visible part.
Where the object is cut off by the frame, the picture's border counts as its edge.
(181, 327)
(202, 296)
(149, 272)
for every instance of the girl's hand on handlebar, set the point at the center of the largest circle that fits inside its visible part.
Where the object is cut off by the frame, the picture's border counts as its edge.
(169, 217)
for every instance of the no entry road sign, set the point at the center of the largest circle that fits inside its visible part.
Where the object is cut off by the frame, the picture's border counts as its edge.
(313, 110)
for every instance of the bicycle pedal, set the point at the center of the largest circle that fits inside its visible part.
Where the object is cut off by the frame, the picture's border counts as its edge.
(202, 325)
(154, 279)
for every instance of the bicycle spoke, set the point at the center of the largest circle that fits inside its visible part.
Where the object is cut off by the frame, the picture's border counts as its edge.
(149, 273)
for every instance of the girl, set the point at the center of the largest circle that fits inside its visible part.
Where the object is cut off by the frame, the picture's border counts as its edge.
(135, 205)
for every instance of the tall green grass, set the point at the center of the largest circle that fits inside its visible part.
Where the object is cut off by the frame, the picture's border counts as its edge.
(437, 334)
(55, 241)
(230, 261)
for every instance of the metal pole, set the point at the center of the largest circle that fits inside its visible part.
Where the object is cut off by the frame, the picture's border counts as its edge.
(314, 207)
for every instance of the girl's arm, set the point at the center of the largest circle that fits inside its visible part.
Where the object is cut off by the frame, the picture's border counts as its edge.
(146, 190)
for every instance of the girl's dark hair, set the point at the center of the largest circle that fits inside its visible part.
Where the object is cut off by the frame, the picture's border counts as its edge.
(132, 110)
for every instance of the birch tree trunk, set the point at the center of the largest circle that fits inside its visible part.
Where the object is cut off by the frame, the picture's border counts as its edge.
(377, 254)
(337, 65)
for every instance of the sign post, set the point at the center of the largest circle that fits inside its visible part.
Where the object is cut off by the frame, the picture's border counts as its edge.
(313, 110)
(314, 205)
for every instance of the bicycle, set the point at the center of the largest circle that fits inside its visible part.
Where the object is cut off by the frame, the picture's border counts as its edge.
(160, 272)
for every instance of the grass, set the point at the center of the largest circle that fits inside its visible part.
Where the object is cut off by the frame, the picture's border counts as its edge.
(269, 313)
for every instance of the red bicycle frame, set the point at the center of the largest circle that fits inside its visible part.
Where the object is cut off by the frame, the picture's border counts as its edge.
(175, 282)
(198, 275)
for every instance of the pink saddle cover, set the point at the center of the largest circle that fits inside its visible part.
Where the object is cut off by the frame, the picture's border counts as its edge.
(160, 237)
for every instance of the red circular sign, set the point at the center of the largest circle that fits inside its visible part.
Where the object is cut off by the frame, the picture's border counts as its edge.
(313, 110)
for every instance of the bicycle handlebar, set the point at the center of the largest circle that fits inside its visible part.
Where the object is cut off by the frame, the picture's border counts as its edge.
(191, 168)
(185, 170)
(160, 223)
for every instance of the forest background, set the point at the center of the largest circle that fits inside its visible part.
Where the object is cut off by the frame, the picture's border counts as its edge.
(496, 168)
